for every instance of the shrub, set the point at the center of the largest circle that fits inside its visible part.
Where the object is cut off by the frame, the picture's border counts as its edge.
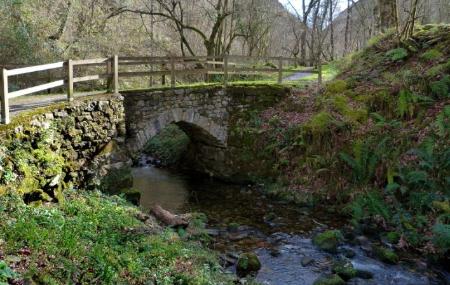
(363, 162)
(431, 55)
(368, 204)
(337, 86)
(441, 236)
(320, 122)
(397, 54)
(441, 88)
(6, 273)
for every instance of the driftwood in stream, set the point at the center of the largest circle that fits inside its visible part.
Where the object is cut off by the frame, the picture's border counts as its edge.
(168, 218)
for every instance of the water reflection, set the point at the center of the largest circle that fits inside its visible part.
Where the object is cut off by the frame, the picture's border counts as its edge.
(158, 186)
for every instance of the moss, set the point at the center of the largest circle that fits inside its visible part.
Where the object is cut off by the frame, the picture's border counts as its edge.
(337, 86)
(248, 263)
(169, 145)
(432, 55)
(329, 280)
(344, 269)
(117, 181)
(386, 255)
(131, 195)
(442, 206)
(328, 241)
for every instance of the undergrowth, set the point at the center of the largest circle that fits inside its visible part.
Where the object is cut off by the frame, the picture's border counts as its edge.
(95, 239)
(375, 140)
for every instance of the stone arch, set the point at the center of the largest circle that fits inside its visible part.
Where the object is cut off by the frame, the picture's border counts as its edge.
(200, 129)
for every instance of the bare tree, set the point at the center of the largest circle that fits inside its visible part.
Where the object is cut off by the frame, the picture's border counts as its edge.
(304, 17)
(175, 11)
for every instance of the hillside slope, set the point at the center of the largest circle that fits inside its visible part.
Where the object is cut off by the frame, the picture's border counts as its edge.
(374, 142)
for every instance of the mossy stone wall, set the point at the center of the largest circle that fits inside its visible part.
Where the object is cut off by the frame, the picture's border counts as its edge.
(47, 150)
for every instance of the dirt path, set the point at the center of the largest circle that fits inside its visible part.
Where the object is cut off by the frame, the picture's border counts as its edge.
(297, 76)
(20, 104)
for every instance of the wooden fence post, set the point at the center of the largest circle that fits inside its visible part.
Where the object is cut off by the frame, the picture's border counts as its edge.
(172, 72)
(109, 71)
(4, 96)
(69, 80)
(116, 74)
(280, 71)
(225, 70)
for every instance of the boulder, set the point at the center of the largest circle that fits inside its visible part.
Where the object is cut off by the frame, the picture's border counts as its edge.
(329, 280)
(248, 263)
(328, 240)
(344, 269)
(386, 255)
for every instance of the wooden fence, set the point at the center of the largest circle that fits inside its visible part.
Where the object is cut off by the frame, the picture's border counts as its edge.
(169, 66)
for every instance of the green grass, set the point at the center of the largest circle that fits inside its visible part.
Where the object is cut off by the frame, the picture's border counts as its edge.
(95, 239)
(329, 72)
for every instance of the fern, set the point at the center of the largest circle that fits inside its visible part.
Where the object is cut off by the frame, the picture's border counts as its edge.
(363, 162)
(441, 236)
(369, 204)
(408, 102)
(443, 121)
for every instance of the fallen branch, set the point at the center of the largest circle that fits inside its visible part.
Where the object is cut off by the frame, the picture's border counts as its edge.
(168, 218)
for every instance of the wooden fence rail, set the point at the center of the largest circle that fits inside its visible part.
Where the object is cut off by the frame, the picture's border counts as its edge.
(206, 65)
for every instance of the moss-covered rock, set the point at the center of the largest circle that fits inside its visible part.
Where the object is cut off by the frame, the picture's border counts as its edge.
(117, 180)
(132, 195)
(344, 269)
(328, 241)
(329, 280)
(386, 255)
(248, 263)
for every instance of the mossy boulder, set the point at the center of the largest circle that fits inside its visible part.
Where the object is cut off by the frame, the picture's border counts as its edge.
(344, 269)
(386, 255)
(117, 180)
(132, 195)
(328, 241)
(329, 280)
(248, 263)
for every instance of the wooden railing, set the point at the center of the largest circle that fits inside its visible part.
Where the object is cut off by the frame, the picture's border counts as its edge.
(225, 65)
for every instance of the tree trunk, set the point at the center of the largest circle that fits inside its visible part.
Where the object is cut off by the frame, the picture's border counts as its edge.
(347, 28)
(303, 48)
(386, 14)
(331, 31)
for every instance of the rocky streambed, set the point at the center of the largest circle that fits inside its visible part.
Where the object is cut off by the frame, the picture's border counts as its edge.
(244, 224)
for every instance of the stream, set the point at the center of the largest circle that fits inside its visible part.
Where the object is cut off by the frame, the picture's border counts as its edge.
(242, 219)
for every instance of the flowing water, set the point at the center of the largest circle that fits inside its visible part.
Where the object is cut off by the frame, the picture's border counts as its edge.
(242, 219)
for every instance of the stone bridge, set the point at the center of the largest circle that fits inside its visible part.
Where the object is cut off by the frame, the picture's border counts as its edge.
(206, 115)
(82, 130)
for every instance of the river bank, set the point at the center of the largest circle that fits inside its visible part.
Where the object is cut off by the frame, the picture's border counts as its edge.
(243, 219)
